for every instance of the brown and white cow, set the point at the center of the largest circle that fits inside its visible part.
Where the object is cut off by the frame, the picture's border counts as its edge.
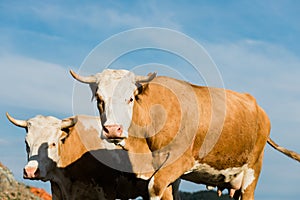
(68, 153)
(212, 136)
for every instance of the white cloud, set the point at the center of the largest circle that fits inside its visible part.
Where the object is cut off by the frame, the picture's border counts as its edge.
(100, 16)
(3, 141)
(35, 84)
(267, 71)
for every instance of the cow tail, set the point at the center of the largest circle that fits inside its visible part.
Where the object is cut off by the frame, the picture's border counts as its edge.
(283, 150)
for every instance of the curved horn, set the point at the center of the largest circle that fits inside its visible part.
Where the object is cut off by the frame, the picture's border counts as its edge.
(83, 79)
(17, 122)
(69, 122)
(144, 79)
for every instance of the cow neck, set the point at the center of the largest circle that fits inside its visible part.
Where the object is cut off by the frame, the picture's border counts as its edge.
(155, 113)
(71, 149)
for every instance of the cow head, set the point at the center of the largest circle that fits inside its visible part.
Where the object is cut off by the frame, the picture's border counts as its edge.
(44, 135)
(115, 92)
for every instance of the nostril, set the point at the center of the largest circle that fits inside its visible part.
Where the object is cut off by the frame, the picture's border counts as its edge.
(25, 173)
(37, 172)
(120, 131)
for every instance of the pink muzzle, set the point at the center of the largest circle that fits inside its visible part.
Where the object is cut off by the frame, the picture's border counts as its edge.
(113, 131)
(31, 172)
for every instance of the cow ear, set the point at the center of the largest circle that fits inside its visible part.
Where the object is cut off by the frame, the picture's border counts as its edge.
(68, 123)
(66, 126)
(64, 135)
(141, 89)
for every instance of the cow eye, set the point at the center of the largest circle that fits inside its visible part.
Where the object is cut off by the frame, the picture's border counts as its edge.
(52, 145)
(130, 100)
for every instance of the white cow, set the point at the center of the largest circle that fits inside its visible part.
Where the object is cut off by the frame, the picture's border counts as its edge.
(65, 152)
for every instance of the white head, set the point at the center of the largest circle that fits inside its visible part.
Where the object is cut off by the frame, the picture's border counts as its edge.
(115, 92)
(43, 138)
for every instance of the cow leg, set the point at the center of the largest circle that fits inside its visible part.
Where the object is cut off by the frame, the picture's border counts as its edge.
(168, 194)
(167, 175)
(172, 191)
(157, 187)
(248, 190)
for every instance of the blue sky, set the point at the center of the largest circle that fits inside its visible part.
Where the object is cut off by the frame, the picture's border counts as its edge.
(254, 44)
